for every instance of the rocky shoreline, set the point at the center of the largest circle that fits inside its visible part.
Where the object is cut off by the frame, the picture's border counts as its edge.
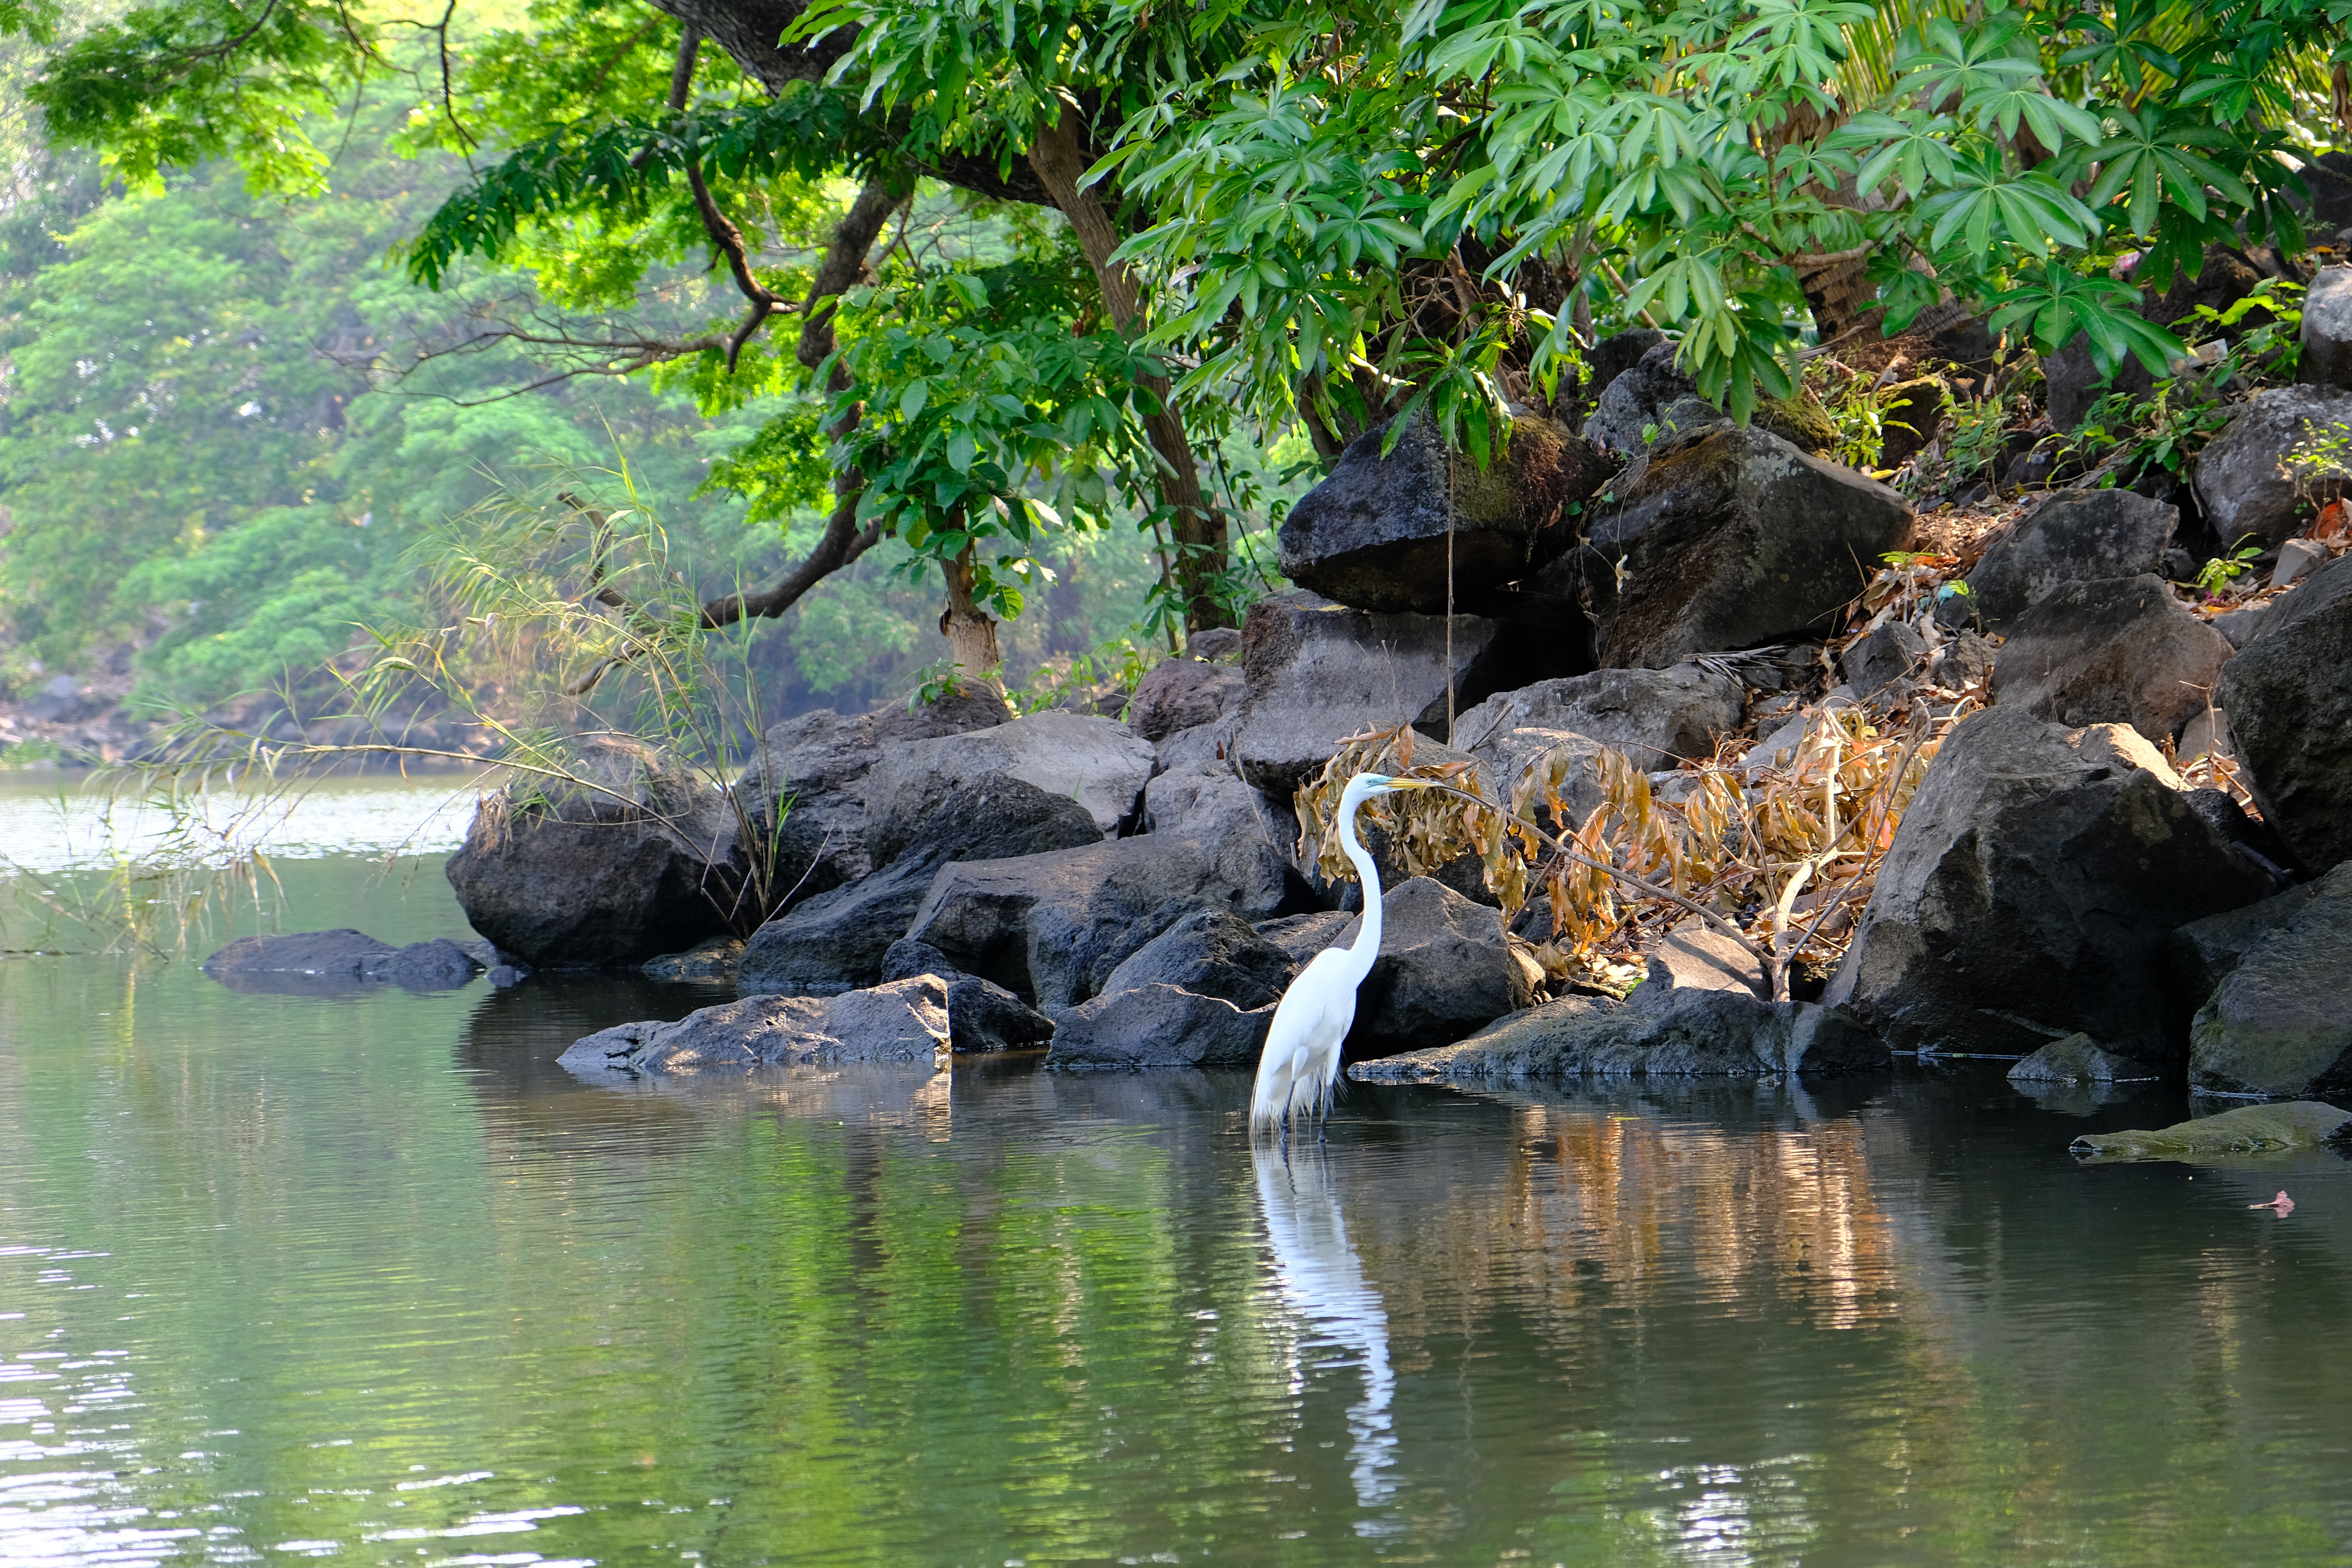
(2128, 848)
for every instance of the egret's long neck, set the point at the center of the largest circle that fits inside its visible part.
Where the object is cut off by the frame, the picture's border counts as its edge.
(1366, 945)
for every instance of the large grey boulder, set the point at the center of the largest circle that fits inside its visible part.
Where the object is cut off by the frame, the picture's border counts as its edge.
(2027, 895)
(1650, 402)
(2076, 536)
(2280, 1023)
(1444, 970)
(810, 771)
(2326, 358)
(906, 1021)
(837, 941)
(1099, 763)
(1378, 531)
(2241, 481)
(1656, 717)
(2289, 697)
(1209, 953)
(1301, 937)
(643, 857)
(1158, 1025)
(1731, 541)
(1319, 672)
(1661, 1033)
(1051, 928)
(2119, 651)
(2201, 954)
(1183, 693)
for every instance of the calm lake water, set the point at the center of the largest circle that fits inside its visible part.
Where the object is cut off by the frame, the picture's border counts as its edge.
(373, 1279)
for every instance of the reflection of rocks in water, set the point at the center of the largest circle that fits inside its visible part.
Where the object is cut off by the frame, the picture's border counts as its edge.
(1323, 1281)
(2063, 1097)
(1754, 1189)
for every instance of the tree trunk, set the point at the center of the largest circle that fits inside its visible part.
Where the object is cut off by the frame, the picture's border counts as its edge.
(971, 633)
(1060, 160)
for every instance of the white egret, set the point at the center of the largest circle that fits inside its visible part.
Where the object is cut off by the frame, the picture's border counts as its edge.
(1302, 1050)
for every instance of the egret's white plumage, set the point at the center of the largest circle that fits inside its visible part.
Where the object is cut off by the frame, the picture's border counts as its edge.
(1302, 1050)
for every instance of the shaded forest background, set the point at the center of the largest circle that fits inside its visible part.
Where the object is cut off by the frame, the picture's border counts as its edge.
(227, 420)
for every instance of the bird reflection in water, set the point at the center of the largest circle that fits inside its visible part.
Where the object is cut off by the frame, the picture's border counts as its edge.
(1322, 1281)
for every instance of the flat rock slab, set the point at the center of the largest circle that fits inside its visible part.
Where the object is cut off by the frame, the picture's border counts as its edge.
(903, 1021)
(2249, 1129)
(1675, 1034)
(321, 963)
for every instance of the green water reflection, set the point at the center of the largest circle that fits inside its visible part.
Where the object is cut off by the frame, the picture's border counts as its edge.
(373, 1279)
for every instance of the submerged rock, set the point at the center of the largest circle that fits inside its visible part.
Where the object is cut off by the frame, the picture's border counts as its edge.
(2027, 895)
(317, 962)
(906, 1021)
(2077, 1058)
(2249, 1129)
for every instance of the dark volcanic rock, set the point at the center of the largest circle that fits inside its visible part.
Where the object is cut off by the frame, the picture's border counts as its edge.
(575, 878)
(817, 762)
(1051, 928)
(2280, 1023)
(2240, 481)
(1210, 952)
(2202, 954)
(1318, 672)
(838, 940)
(1097, 762)
(1443, 970)
(1181, 693)
(2027, 895)
(982, 1015)
(1656, 718)
(1731, 541)
(1648, 402)
(1376, 534)
(2076, 536)
(1158, 1025)
(1893, 653)
(2327, 329)
(903, 1021)
(2076, 1060)
(2121, 652)
(2289, 697)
